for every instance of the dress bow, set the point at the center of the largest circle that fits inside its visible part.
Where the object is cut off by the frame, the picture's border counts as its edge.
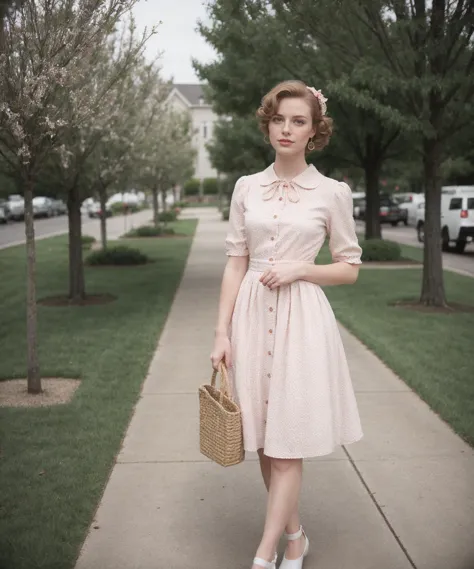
(288, 189)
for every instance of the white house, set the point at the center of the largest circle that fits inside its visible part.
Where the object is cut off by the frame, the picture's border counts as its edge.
(190, 98)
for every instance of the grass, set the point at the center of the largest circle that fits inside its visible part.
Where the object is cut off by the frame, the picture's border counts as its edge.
(44, 517)
(432, 353)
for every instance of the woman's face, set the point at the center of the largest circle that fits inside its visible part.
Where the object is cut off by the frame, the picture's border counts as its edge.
(292, 127)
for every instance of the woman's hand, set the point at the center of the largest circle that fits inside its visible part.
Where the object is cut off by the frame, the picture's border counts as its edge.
(221, 351)
(281, 274)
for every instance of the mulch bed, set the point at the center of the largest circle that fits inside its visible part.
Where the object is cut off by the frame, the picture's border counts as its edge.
(90, 300)
(56, 391)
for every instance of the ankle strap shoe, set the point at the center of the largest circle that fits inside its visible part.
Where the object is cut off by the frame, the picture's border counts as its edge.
(295, 563)
(266, 564)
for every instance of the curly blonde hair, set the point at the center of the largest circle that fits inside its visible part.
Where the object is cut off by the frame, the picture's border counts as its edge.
(286, 89)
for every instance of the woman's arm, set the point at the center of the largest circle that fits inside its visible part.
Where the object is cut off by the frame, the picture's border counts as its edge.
(234, 273)
(326, 275)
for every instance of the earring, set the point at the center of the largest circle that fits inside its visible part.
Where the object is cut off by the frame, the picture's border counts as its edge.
(311, 145)
(266, 140)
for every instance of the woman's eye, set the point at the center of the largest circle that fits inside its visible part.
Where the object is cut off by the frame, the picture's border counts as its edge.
(299, 122)
(276, 119)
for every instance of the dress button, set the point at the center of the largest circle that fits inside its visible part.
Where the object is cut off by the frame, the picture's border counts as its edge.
(266, 402)
(275, 216)
(270, 259)
(269, 353)
(269, 375)
(272, 238)
(271, 309)
(280, 199)
(270, 331)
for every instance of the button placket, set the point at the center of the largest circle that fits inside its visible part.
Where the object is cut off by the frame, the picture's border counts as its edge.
(271, 313)
(271, 308)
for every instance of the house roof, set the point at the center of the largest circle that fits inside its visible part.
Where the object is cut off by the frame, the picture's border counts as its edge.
(191, 92)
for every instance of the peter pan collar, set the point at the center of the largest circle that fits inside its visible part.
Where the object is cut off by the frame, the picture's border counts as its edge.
(309, 179)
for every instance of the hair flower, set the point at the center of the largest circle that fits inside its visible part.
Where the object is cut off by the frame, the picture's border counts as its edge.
(321, 99)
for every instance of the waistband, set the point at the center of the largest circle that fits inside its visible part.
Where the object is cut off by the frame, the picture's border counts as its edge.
(264, 264)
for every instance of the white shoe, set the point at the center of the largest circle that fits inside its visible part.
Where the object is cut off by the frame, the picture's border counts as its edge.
(295, 563)
(266, 564)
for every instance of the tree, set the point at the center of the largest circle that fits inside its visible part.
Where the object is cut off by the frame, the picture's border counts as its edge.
(99, 146)
(165, 153)
(427, 67)
(43, 68)
(238, 147)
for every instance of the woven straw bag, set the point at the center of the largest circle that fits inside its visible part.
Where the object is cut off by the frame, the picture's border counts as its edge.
(220, 422)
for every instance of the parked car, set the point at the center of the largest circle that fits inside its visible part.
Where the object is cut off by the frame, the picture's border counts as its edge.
(389, 211)
(410, 202)
(5, 213)
(17, 207)
(457, 218)
(42, 207)
(59, 207)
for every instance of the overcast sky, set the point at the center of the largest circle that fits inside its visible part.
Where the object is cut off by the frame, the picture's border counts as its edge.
(177, 37)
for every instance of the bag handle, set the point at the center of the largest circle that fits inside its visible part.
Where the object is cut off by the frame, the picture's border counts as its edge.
(224, 380)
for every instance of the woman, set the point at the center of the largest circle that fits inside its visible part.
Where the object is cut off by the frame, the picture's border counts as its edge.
(275, 326)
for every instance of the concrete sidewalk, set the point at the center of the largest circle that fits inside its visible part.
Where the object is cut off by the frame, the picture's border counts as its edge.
(403, 497)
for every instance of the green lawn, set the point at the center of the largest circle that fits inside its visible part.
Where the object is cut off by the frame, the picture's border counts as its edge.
(44, 518)
(433, 353)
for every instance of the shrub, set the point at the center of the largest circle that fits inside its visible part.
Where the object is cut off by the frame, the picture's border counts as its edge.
(87, 240)
(191, 187)
(380, 250)
(182, 204)
(210, 186)
(225, 213)
(171, 215)
(150, 231)
(119, 255)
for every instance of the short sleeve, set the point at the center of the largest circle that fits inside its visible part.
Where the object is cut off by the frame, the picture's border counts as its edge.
(236, 240)
(343, 242)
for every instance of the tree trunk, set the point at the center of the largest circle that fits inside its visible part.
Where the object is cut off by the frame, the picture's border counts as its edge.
(372, 201)
(165, 208)
(77, 292)
(34, 378)
(156, 208)
(103, 216)
(432, 292)
(219, 192)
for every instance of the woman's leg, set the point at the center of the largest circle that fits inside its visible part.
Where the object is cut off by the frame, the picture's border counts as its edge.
(283, 495)
(293, 524)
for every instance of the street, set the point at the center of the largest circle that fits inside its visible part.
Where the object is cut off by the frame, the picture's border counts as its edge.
(407, 236)
(14, 233)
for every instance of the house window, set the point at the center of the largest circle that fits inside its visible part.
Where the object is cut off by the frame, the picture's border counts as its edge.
(204, 129)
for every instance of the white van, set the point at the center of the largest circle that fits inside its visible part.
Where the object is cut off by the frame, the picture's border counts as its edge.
(410, 201)
(457, 217)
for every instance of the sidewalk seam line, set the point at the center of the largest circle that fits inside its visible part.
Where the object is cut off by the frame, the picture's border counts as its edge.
(381, 512)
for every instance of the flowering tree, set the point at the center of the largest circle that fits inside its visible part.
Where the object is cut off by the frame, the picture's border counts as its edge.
(166, 154)
(137, 99)
(111, 69)
(46, 47)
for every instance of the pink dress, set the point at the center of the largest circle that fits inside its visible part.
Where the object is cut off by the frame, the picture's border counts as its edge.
(290, 374)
